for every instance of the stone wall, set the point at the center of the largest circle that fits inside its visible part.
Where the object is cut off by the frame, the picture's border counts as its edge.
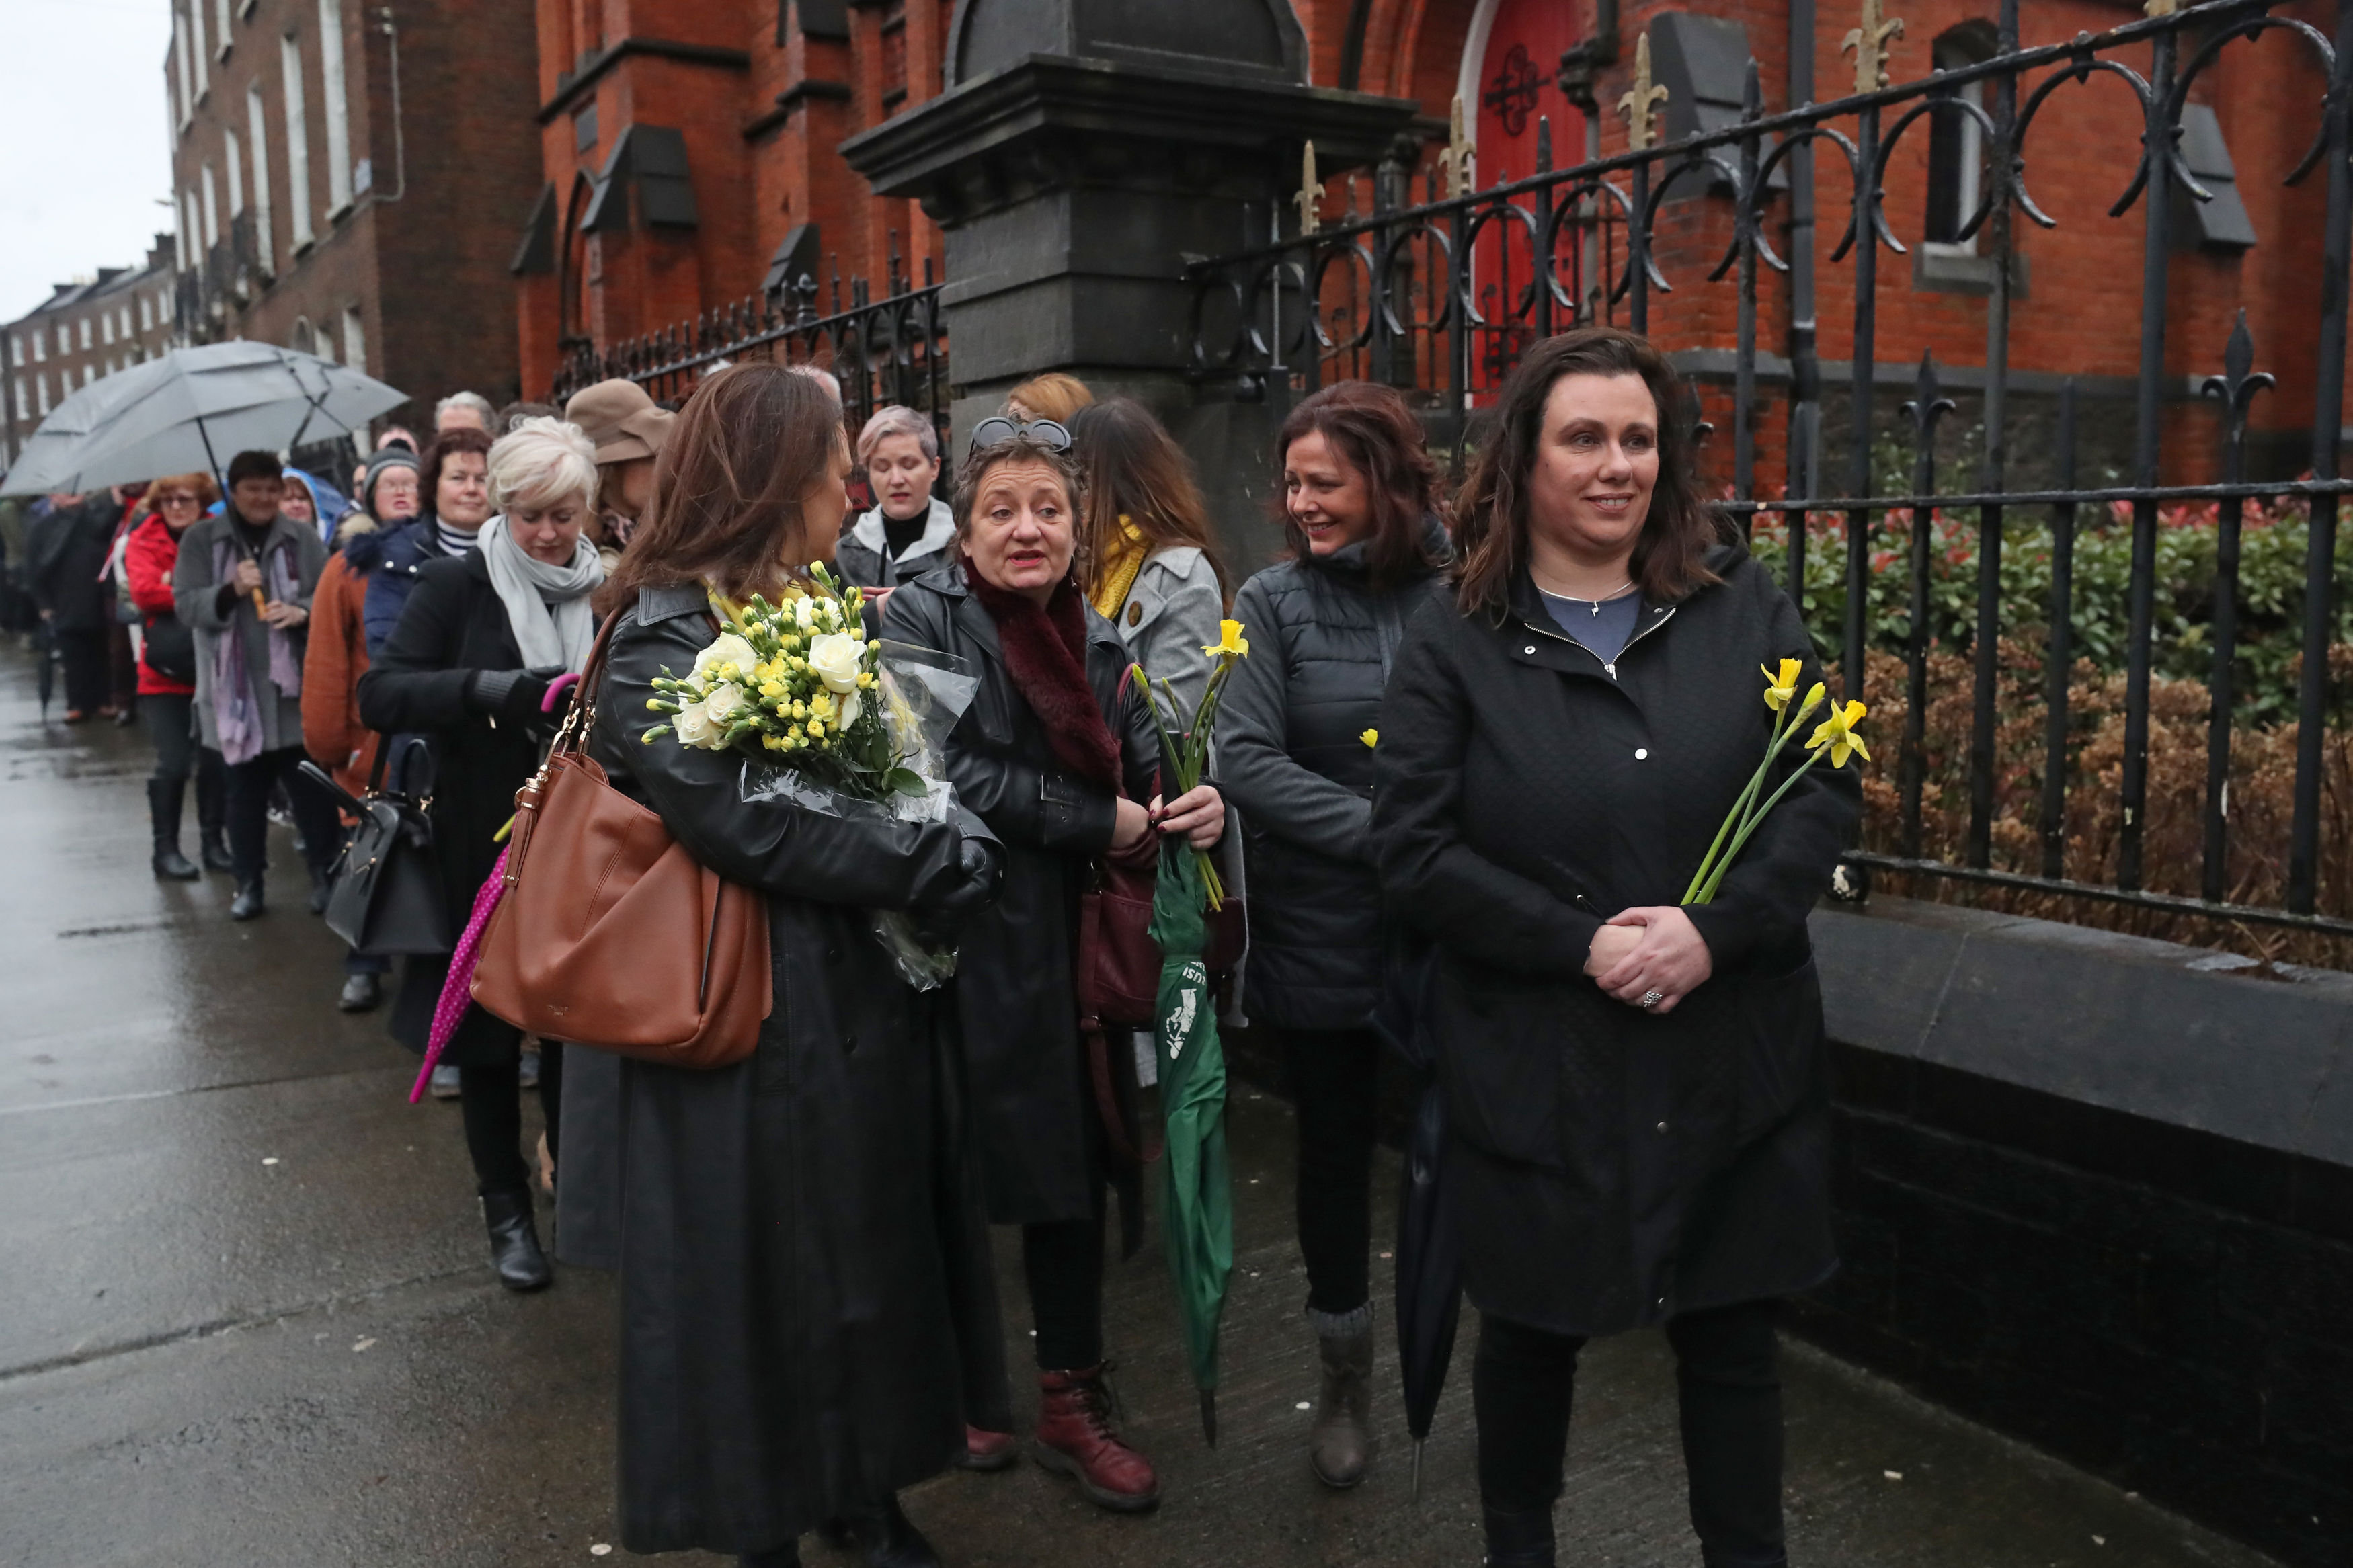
(2098, 1193)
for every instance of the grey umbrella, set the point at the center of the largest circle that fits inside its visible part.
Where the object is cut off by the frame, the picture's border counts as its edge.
(192, 409)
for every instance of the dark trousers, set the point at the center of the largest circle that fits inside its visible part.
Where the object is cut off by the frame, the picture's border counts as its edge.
(248, 812)
(1523, 1384)
(1336, 1087)
(1062, 1264)
(171, 727)
(121, 667)
(87, 680)
(489, 1101)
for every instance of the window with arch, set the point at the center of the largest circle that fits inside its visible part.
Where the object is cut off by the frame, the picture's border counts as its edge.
(1956, 142)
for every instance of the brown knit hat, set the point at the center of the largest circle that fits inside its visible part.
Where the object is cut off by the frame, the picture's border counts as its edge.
(622, 421)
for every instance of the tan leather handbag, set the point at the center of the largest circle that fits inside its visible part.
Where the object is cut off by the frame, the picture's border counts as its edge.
(610, 934)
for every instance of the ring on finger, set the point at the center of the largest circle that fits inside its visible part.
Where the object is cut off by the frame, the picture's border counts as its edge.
(1650, 998)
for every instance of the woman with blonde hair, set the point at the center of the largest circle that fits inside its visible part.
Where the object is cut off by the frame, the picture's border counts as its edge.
(1054, 396)
(909, 529)
(808, 1314)
(468, 666)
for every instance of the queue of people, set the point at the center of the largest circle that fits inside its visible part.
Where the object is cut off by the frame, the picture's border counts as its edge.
(1476, 747)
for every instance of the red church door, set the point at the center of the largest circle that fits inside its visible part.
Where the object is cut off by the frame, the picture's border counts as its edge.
(1518, 90)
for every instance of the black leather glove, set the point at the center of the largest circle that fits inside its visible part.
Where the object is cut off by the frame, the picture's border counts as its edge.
(514, 695)
(980, 877)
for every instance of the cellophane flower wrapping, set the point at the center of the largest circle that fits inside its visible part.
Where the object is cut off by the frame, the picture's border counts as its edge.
(829, 721)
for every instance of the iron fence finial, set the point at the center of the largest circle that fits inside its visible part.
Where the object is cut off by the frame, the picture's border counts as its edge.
(1868, 43)
(1311, 194)
(1637, 105)
(1461, 151)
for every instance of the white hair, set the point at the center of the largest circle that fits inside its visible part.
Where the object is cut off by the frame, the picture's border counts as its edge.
(819, 374)
(474, 400)
(541, 462)
(898, 419)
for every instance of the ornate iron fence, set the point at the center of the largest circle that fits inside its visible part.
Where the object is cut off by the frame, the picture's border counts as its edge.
(1424, 295)
(892, 350)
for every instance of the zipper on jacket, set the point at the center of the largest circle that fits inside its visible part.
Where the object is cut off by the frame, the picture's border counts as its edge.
(1608, 665)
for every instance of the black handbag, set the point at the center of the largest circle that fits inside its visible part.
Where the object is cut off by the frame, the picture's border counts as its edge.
(169, 648)
(386, 901)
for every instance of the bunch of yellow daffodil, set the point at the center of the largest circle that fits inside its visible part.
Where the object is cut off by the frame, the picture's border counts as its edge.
(1188, 748)
(1835, 738)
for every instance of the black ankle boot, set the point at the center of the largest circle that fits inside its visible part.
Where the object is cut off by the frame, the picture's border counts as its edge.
(1519, 1538)
(782, 1557)
(247, 904)
(514, 1242)
(882, 1537)
(212, 848)
(164, 820)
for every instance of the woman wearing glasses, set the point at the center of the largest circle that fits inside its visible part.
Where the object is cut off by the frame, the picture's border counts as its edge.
(167, 680)
(1061, 758)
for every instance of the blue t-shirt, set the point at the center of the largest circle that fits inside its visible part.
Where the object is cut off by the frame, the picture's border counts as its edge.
(1600, 628)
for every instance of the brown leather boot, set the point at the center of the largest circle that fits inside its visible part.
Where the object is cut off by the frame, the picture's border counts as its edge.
(1341, 1442)
(1075, 1439)
(987, 1450)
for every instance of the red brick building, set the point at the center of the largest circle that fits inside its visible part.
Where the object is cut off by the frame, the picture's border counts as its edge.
(83, 332)
(687, 152)
(349, 179)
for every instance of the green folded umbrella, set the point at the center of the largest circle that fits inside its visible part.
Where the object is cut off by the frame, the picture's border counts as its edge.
(1196, 1202)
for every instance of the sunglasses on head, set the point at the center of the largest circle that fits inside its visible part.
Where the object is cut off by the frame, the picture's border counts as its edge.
(996, 430)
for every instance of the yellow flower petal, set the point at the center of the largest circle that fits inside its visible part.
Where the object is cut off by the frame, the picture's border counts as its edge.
(1370, 737)
(1229, 642)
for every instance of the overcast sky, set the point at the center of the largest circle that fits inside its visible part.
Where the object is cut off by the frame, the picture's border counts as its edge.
(85, 150)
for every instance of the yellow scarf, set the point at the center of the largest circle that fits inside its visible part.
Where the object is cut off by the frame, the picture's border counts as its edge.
(1115, 572)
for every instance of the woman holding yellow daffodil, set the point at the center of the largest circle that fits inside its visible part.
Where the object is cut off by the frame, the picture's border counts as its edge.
(1610, 789)
(1058, 753)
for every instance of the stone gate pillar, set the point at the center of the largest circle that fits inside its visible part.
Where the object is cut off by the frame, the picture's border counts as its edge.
(1083, 152)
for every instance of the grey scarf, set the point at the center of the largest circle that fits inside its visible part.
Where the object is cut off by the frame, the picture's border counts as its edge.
(547, 607)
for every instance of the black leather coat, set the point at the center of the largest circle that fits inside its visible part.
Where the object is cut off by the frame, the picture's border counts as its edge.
(453, 625)
(808, 1315)
(1292, 757)
(1609, 1168)
(1033, 1113)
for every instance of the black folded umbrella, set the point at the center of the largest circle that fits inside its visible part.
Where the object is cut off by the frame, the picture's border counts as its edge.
(45, 650)
(1428, 1253)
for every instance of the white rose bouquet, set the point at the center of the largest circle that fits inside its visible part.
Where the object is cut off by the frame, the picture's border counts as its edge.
(827, 719)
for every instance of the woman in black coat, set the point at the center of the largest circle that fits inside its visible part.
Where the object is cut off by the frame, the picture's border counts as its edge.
(1639, 1119)
(808, 1316)
(467, 667)
(1061, 758)
(1359, 495)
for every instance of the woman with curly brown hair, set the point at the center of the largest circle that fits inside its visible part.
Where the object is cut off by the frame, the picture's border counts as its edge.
(1638, 1121)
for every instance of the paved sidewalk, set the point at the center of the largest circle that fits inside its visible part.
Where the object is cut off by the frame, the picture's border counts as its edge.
(246, 1315)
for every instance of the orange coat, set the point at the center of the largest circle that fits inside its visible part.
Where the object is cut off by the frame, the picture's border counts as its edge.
(336, 658)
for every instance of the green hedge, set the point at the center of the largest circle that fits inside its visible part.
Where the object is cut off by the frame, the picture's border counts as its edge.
(2272, 544)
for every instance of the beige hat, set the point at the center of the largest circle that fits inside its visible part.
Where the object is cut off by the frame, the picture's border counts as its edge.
(622, 421)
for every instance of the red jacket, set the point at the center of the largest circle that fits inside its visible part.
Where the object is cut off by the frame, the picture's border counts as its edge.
(147, 563)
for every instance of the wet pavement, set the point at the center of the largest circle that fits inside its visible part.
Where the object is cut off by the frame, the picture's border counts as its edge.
(246, 1315)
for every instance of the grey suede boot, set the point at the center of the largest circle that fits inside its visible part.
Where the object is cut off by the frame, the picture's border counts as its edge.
(1340, 1444)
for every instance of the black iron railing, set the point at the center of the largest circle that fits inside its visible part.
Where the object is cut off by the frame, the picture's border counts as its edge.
(1425, 297)
(892, 350)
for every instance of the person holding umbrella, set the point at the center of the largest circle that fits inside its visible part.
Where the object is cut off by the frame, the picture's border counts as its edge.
(243, 581)
(1359, 506)
(1059, 755)
(1638, 1115)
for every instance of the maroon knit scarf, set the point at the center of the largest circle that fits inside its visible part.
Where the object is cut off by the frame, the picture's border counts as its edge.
(1046, 653)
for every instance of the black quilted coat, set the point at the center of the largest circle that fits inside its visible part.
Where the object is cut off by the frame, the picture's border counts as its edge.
(1609, 1168)
(1292, 758)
